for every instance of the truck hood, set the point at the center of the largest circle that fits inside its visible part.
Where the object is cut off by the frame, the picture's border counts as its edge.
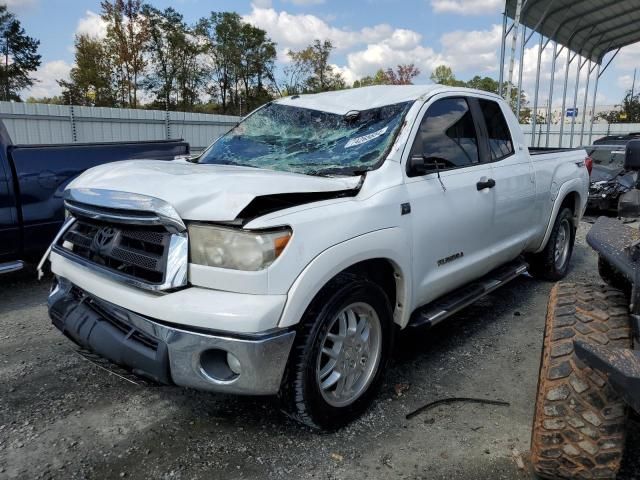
(206, 192)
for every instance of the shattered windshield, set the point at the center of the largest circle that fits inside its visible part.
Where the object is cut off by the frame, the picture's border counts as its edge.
(301, 140)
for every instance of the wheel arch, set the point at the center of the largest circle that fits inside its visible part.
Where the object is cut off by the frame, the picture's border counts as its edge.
(381, 256)
(567, 196)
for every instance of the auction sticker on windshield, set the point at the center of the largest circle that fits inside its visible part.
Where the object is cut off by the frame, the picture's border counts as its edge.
(354, 142)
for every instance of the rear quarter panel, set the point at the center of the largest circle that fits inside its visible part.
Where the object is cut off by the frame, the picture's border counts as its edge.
(558, 174)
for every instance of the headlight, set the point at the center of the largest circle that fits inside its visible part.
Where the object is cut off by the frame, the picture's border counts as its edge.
(234, 248)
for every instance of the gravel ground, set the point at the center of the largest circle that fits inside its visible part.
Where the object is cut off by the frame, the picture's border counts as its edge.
(63, 417)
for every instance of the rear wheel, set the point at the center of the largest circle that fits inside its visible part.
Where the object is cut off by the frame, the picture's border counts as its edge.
(579, 421)
(552, 263)
(341, 350)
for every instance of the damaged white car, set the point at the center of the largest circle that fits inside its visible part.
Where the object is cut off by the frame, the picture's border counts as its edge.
(284, 259)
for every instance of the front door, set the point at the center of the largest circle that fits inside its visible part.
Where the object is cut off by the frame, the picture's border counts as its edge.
(451, 212)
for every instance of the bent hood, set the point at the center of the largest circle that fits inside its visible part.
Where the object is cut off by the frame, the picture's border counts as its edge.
(204, 192)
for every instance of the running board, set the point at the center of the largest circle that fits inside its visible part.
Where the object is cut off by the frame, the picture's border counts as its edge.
(11, 266)
(435, 312)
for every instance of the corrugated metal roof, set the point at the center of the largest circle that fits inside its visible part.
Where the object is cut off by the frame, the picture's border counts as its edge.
(589, 27)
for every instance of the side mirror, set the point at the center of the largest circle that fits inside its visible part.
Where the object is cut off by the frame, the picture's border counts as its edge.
(632, 155)
(417, 165)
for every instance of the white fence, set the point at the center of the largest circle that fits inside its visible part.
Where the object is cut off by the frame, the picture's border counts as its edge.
(599, 130)
(34, 123)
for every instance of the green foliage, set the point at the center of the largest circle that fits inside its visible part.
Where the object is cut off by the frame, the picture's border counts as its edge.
(627, 112)
(310, 71)
(403, 75)
(177, 73)
(243, 58)
(91, 81)
(444, 76)
(125, 44)
(20, 56)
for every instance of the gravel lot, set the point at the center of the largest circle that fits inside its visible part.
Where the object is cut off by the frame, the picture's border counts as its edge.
(63, 417)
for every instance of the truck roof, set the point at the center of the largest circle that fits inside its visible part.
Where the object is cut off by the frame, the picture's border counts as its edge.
(365, 98)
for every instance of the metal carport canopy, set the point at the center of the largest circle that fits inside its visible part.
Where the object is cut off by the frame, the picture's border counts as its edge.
(591, 28)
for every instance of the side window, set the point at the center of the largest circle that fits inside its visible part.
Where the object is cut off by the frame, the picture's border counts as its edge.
(447, 134)
(500, 144)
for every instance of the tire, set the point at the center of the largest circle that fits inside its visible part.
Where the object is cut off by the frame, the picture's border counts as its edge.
(579, 421)
(301, 395)
(546, 265)
(612, 277)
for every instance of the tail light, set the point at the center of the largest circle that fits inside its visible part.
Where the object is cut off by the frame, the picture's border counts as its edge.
(588, 162)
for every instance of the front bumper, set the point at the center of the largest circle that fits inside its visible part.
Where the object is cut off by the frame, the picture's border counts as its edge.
(172, 355)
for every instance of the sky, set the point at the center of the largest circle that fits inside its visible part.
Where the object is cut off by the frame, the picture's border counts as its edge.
(367, 34)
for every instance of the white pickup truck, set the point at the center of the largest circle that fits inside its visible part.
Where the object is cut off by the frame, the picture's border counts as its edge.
(285, 257)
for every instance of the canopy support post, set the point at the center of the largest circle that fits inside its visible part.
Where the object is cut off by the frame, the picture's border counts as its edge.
(584, 105)
(514, 39)
(564, 95)
(575, 100)
(523, 43)
(553, 75)
(534, 113)
(502, 48)
(593, 107)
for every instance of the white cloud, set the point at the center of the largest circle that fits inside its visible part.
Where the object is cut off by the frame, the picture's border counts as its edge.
(91, 24)
(472, 51)
(625, 82)
(47, 76)
(293, 31)
(467, 7)
(628, 58)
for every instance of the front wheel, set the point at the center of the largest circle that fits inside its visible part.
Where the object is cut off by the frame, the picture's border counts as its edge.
(552, 263)
(341, 350)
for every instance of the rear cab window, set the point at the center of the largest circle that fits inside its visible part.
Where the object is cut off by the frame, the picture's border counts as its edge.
(499, 136)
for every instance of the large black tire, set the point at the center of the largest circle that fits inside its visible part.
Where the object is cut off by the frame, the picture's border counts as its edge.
(300, 394)
(612, 277)
(544, 265)
(579, 421)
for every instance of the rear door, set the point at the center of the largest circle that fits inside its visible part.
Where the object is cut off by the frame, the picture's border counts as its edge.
(514, 219)
(9, 226)
(451, 216)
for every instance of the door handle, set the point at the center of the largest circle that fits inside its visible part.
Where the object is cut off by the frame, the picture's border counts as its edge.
(488, 183)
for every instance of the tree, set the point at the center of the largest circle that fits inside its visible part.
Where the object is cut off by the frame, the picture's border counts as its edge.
(126, 42)
(627, 112)
(403, 75)
(20, 56)
(91, 80)
(243, 59)
(176, 75)
(380, 78)
(443, 75)
(310, 71)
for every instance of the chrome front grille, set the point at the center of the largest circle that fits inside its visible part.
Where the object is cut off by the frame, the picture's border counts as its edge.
(128, 237)
(140, 252)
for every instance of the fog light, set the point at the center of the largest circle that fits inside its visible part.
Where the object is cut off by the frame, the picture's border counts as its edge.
(234, 363)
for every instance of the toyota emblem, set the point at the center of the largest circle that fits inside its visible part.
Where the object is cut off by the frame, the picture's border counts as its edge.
(103, 239)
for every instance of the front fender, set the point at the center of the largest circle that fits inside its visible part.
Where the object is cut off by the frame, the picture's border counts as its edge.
(392, 244)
